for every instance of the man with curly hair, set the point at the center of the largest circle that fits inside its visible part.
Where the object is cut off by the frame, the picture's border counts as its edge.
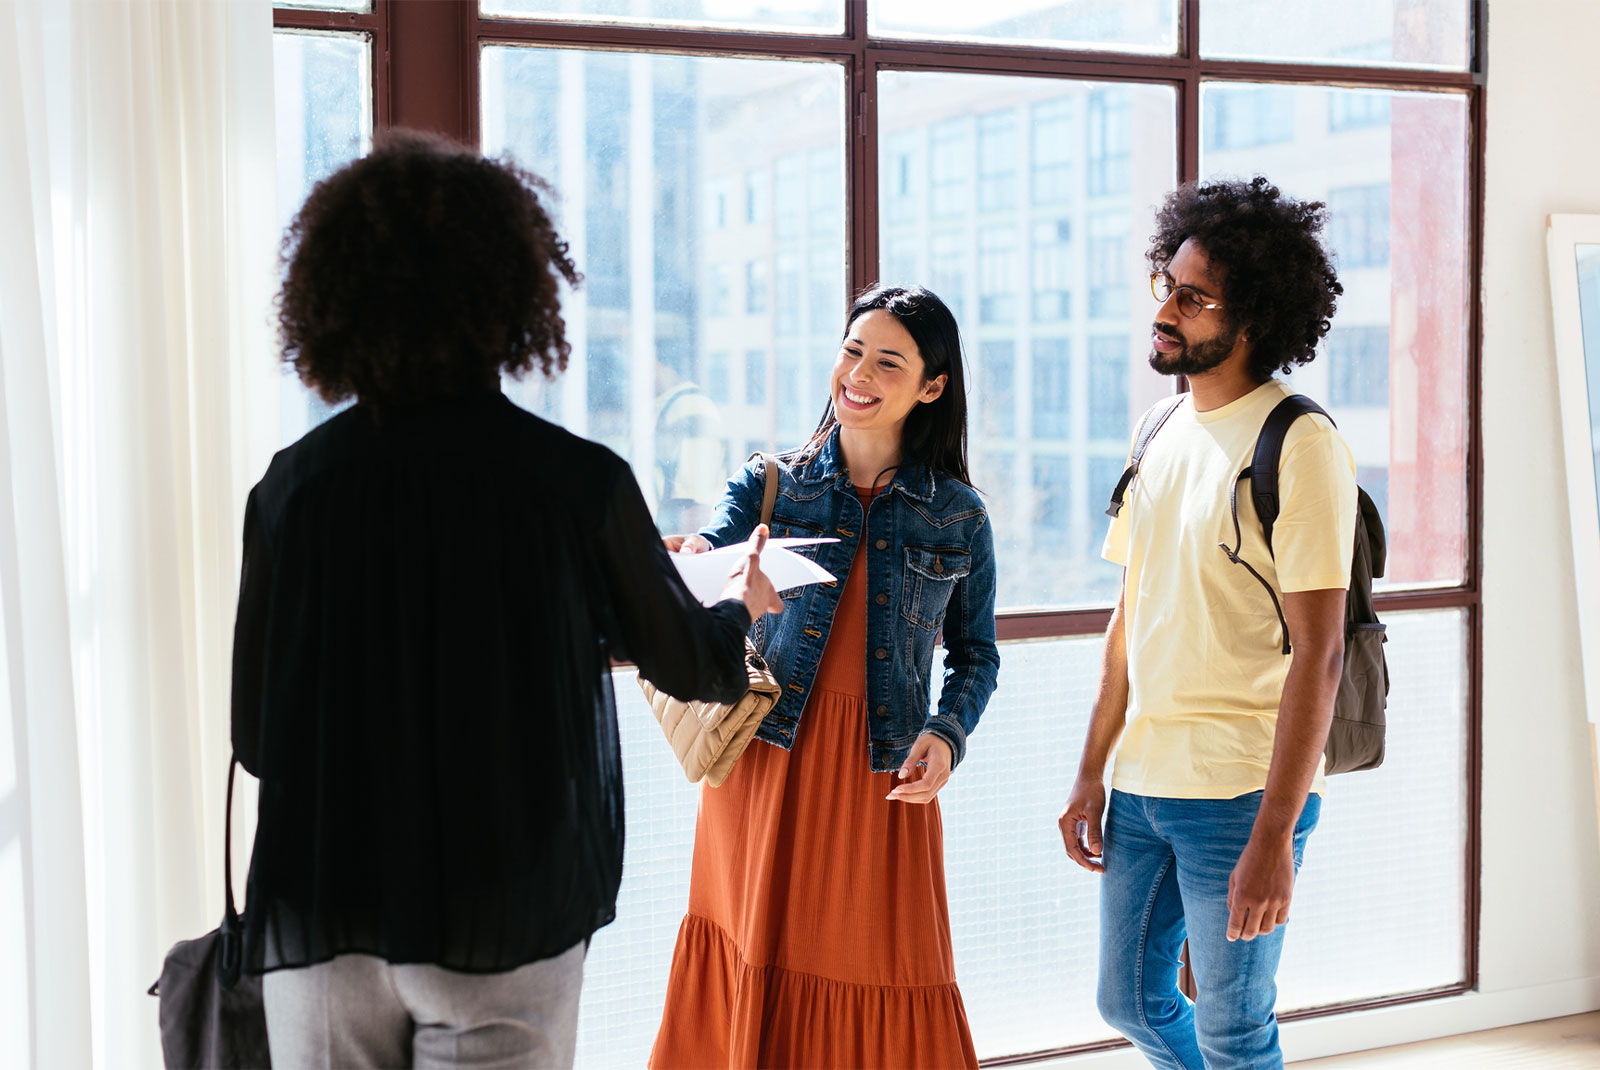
(1218, 777)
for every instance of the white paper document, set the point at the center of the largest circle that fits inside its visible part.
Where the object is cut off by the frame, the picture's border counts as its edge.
(706, 574)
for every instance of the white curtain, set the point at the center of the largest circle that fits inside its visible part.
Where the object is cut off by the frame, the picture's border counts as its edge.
(137, 244)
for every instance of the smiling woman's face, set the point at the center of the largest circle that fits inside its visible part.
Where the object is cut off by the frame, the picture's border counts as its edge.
(878, 376)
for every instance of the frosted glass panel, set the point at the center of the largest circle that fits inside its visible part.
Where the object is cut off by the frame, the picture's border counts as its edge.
(625, 977)
(1025, 920)
(1380, 904)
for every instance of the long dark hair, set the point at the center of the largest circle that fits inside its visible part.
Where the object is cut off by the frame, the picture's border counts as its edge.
(935, 432)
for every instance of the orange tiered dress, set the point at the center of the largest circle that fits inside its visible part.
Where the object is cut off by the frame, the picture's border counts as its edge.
(818, 933)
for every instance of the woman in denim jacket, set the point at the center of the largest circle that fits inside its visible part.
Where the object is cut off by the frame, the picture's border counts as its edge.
(817, 932)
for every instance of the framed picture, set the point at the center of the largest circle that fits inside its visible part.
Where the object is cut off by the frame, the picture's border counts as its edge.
(1574, 248)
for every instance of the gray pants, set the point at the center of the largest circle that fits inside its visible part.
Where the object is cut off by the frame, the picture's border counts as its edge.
(359, 1011)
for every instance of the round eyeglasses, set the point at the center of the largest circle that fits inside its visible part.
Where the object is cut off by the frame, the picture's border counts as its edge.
(1190, 303)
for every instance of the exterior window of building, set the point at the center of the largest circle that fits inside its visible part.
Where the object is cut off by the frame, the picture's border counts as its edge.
(998, 153)
(787, 304)
(900, 176)
(1052, 500)
(1358, 225)
(1108, 266)
(1352, 111)
(756, 190)
(997, 275)
(755, 287)
(950, 157)
(947, 257)
(719, 295)
(1052, 151)
(826, 271)
(898, 255)
(755, 377)
(997, 370)
(717, 377)
(1358, 366)
(1110, 143)
(788, 196)
(825, 191)
(1109, 417)
(1243, 118)
(1051, 267)
(1052, 374)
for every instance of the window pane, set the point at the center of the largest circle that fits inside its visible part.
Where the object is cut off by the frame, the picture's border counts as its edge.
(1144, 26)
(1393, 369)
(1024, 921)
(769, 16)
(1405, 33)
(1361, 931)
(703, 200)
(323, 100)
(1039, 256)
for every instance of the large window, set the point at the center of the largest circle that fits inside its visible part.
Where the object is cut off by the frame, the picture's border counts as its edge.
(729, 172)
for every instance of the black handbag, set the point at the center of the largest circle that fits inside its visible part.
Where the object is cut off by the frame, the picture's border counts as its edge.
(211, 1012)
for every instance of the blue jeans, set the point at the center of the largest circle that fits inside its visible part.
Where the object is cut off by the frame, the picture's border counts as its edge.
(1167, 867)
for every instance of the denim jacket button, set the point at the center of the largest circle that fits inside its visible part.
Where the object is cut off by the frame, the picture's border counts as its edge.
(882, 544)
(883, 711)
(883, 599)
(880, 653)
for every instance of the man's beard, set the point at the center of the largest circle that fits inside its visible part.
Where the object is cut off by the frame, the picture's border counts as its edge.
(1193, 359)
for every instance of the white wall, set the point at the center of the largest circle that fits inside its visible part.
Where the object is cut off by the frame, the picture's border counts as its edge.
(1540, 937)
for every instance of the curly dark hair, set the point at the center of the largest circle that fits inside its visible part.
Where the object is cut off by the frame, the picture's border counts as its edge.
(1280, 288)
(422, 270)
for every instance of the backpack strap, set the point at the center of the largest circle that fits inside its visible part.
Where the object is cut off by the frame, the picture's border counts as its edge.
(1262, 473)
(1263, 470)
(1152, 422)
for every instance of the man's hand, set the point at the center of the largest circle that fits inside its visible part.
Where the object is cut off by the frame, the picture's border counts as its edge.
(1080, 823)
(1260, 887)
(925, 770)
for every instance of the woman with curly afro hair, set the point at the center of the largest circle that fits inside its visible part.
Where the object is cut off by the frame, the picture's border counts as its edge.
(434, 584)
(1218, 724)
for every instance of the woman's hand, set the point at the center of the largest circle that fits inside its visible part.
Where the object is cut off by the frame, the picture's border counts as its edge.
(686, 544)
(925, 770)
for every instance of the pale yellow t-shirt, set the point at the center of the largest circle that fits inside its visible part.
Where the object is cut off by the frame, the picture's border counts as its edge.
(1205, 650)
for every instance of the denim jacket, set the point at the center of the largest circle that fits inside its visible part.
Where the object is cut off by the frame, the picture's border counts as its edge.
(930, 563)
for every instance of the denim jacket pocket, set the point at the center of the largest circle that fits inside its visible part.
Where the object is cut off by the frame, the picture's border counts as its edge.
(930, 578)
(786, 525)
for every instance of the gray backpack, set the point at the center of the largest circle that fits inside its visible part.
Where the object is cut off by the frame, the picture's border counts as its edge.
(1355, 739)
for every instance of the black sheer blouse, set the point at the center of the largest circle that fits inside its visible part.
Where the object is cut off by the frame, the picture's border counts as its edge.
(421, 681)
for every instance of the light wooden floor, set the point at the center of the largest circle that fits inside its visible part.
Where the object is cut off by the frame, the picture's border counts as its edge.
(1558, 1044)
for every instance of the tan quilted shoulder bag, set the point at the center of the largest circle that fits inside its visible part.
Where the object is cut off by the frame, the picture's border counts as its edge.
(708, 737)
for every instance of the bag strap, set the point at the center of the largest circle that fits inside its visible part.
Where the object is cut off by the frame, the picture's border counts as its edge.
(769, 497)
(230, 937)
(1152, 422)
(1262, 472)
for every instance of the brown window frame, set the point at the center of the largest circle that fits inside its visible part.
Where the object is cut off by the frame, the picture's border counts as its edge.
(426, 75)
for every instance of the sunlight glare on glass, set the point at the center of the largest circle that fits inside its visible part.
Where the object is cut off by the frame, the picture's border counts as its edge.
(761, 16)
(1150, 27)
